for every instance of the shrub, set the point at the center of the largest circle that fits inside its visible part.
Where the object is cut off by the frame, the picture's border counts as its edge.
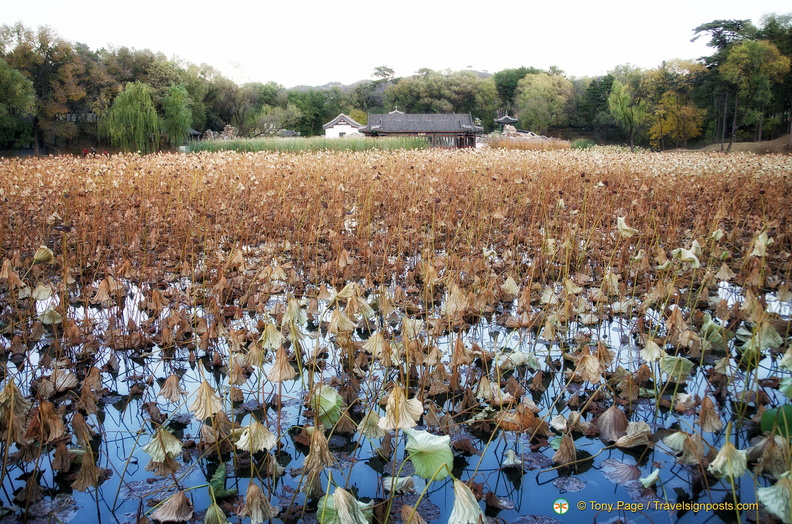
(582, 143)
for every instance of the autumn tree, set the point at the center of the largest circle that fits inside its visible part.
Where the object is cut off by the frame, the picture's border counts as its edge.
(50, 63)
(673, 117)
(672, 120)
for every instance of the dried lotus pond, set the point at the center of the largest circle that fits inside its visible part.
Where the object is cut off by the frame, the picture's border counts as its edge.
(442, 336)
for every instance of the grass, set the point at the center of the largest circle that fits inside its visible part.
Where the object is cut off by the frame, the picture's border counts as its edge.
(305, 145)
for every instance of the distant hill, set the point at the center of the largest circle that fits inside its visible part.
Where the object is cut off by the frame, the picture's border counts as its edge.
(350, 87)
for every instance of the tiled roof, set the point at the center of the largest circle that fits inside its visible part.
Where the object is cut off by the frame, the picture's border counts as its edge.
(342, 119)
(506, 119)
(420, 123)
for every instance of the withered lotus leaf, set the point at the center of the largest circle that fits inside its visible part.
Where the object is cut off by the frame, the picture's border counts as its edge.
(282, 370)
(255, 437)
(206, 402)
(638, 434)
(319, 455)
(709, 419)
(88, 476)
(46, 425)
(778, 497)
(466, 509)
(257, 506)
(619, 472)
(171, 390)
(612, 424)
(410, 515)
(729, 462)
(771, 454)
(400, 412)
(178, 508)
(566, 453)
(44, 255)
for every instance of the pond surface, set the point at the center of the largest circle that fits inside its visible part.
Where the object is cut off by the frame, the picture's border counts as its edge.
(122, 337)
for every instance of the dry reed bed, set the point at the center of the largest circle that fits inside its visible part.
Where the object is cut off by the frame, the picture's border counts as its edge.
(166, 211)
(394, 255)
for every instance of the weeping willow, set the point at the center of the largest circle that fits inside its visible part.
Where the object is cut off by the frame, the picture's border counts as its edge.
(177, 117)
(132, 123)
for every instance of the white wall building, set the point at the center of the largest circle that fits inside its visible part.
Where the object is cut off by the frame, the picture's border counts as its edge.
(341, 126)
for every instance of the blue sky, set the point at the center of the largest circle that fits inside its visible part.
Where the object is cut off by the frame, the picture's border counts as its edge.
(314, 42)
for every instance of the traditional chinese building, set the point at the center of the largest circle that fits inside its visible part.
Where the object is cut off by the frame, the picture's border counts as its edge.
(451, 130)
(341, 126)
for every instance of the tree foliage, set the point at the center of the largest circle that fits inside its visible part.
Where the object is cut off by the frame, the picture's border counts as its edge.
(674, 121)
(17, 103)
(741, 87)
(176, 116)
(450, 92)
(54, 69)
(627, 107)
(543, 100)
(674, 118)
(506, 82)
(753, 66)
(132, 123)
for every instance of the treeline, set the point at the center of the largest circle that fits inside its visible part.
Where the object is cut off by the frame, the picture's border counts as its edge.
(55, 94)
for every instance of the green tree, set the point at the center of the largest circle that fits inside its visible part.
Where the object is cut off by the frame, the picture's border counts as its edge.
(272, 119)
(724, 33)
(592, 107)
(176, 116)
(543, 101)
(506, 82)
(754, 66)
(777, 29)
(17, 103)
(628, 108)
(383, 74)
(450, 92)
(132, 123)
(313, 114)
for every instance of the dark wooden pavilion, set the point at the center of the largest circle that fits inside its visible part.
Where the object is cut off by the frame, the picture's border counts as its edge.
(450, 130)
(505, 120)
